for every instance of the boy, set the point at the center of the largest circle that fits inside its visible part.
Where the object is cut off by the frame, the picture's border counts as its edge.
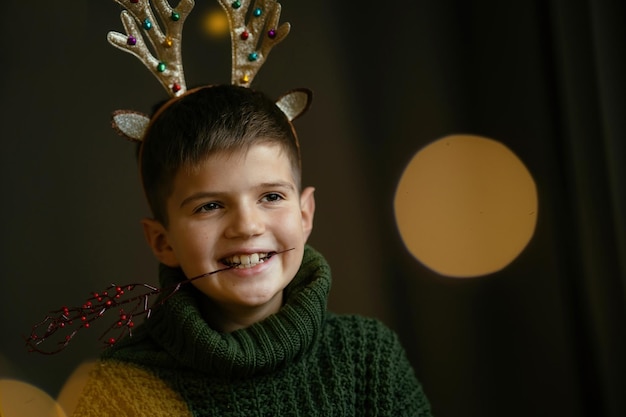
(221, 170)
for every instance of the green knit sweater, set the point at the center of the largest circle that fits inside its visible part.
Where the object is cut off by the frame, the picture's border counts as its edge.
(301, 361)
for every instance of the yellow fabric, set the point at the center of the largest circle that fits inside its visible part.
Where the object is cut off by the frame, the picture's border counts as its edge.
(106, 394)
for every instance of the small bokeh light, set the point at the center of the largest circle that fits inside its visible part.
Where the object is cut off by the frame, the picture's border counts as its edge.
(215, 23)
(466, 206)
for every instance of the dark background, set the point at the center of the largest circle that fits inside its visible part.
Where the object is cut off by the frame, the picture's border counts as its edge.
(543, 337)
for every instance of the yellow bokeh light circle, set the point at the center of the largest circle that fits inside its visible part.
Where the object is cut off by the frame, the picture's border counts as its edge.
(466, 206)
(215, 23)
(19, 399)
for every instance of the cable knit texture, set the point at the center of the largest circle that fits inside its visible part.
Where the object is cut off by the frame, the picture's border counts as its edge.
(301, 361)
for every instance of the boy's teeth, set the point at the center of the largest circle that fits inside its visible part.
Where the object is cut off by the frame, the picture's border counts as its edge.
(247, 261)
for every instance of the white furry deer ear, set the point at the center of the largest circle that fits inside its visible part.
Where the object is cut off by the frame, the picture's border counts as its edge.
(130, 124)
(295, 102)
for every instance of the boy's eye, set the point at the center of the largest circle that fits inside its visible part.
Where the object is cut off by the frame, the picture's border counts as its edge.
(272, 197)
(208, 207)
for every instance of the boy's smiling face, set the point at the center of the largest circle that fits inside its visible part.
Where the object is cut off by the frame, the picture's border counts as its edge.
(237, 207)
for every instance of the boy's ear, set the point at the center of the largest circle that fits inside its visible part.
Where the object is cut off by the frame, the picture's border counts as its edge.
(307, 207)
(156, 236)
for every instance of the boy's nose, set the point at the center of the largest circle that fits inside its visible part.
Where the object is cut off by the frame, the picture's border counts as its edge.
(245, 222)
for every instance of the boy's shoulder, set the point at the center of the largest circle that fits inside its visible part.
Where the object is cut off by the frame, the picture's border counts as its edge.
(355, 320)
(360, 329)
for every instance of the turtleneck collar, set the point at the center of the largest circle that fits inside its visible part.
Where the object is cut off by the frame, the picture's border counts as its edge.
(178, 326)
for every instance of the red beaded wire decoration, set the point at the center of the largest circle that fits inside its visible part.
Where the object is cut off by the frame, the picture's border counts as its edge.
(63, 324)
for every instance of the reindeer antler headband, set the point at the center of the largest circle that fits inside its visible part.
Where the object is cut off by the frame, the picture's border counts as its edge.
(254, 32)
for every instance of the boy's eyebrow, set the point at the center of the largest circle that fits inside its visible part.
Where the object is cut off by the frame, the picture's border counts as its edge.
(198, 196)
(278, 184)
(215, 194)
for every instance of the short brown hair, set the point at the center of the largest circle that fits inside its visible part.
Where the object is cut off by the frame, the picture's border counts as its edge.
(204, 121)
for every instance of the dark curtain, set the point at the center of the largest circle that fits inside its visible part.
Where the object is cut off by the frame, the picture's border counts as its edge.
(588, 40)
(545, 336)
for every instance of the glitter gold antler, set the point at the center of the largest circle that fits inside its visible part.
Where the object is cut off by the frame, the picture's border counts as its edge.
(165, 62)
(140, 24)
(254, 33)
(254, 29)
(252, 41)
